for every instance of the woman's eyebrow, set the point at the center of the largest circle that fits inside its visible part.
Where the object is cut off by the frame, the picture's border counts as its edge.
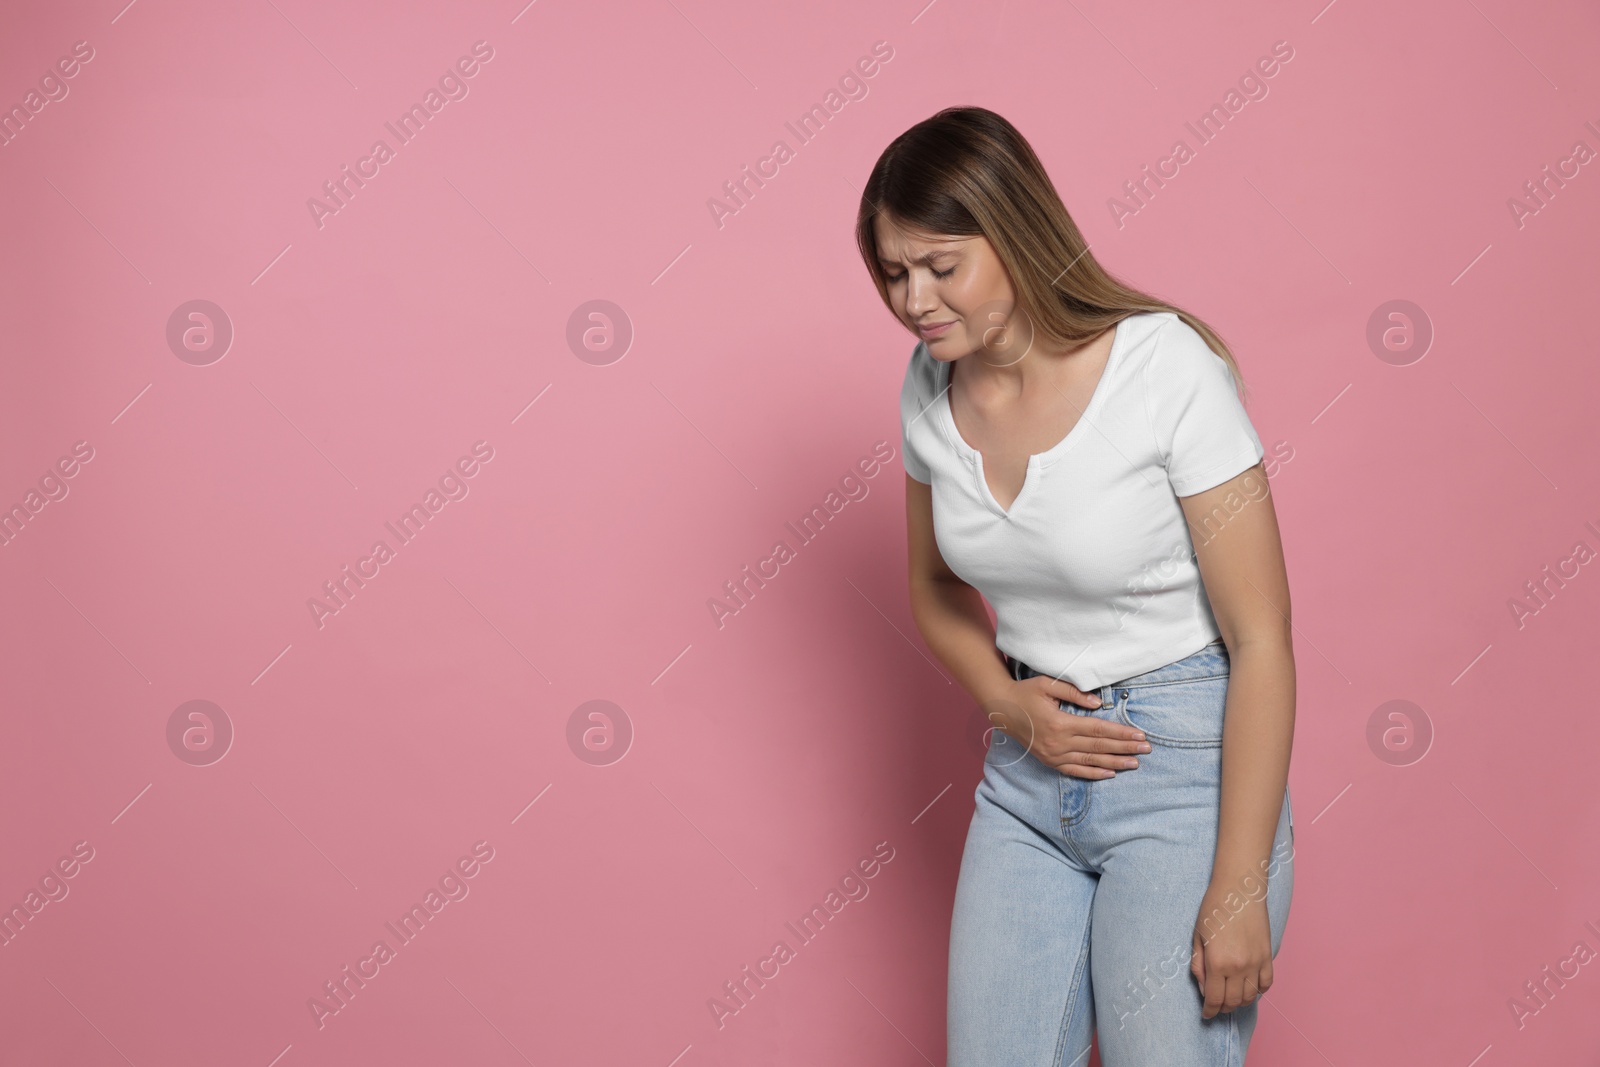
(925, 258)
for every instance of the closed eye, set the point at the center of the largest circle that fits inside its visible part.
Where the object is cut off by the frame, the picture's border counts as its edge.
(936, 274)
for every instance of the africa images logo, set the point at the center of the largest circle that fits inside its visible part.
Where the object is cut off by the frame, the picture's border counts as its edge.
(452, 86)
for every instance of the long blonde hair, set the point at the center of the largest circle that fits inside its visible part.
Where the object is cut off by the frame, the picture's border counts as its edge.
(966, 171)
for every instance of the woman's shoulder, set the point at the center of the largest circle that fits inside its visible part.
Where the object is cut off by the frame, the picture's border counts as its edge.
(1169, 350)
(1146, 329)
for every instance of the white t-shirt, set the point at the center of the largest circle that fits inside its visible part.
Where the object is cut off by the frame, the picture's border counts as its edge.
(1092, 572)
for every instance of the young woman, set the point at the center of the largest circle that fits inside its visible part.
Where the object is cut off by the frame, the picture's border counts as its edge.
(1077, 452)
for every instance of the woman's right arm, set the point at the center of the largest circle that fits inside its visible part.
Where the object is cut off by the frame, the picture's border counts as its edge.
(949, 613)
(954, 623)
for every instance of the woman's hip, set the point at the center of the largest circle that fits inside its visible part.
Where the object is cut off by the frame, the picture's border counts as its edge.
(1172, 795)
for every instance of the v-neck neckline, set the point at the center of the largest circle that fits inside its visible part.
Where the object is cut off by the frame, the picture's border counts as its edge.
(1037, 461)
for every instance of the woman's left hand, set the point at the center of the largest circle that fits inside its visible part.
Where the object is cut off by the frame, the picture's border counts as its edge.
(1235, 966)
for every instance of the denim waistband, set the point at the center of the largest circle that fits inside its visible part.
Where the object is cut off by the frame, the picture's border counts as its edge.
(1211, 661)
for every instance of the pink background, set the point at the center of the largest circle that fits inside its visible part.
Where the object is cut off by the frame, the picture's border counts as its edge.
(769, 756)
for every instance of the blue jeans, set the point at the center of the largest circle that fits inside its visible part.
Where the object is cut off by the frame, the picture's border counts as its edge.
(1078, 898)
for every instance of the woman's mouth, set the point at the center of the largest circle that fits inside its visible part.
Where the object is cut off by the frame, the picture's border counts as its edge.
(930, 332)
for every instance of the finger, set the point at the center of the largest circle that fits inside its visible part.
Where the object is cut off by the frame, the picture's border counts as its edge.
(1233, 994)
(1072, 750)
(1070, 693)
(1085, 764)
(1070, 766)
(1115, 731)
(1216, 991)
(1102, 738)
(1112, 761)
(1256, 985)
(1110, 736)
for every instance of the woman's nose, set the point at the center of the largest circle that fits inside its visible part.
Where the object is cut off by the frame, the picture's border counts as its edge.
(919, 298)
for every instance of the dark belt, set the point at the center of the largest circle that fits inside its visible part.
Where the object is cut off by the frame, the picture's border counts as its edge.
(1020, 670)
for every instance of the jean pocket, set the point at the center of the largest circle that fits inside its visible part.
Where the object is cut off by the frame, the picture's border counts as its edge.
(1185, 714)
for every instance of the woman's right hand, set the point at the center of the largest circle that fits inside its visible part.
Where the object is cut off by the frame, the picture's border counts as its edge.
(1082, 746)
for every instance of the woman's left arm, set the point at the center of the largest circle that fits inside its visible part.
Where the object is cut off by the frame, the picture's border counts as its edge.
(1240, 555)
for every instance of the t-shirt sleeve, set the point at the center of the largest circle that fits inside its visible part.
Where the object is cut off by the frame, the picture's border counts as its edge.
(913, 406)
(1201, 428)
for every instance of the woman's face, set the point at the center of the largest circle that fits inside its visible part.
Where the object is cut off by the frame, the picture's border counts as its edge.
(953, 292)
